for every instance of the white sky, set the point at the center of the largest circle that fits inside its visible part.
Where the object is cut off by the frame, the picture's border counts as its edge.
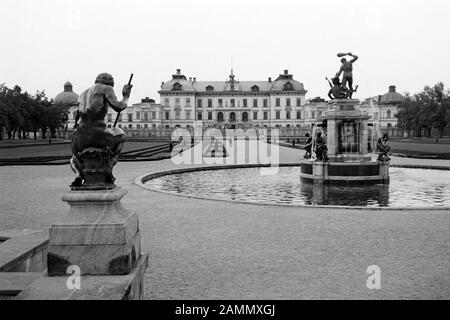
(47, 42)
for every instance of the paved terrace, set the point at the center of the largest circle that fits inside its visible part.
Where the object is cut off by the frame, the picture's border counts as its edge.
(202, 249)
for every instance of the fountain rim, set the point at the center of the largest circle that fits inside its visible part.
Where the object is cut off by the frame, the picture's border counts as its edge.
(143, 179)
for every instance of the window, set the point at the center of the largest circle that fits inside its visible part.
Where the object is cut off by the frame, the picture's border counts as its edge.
(232, 103)
(177, 102)
(153, 114)
(167, 115)
(74, 115)
(277, 115)
(255, 115)
(299, 115)
(210, 103)
(146, 116)
(145, 126)
(199, 116)
(277, 102)
(188, 102)
(255, 103)
(220, 102)
(288, 87)
(199, 103)
(220, 116)
(138, 115)
(109, 117)
(388, 114)
(177, 86)
(188, 115)
(166, 101)
(266, 115)
(120, 117)
(255, 88)
(210, 116)
(130, 117)
(209, 88)
(177, 115)
(299, 102)
(265, 103)
(138, 126)
(245, 103)
(313, 114)
(130, 126)
(288, 102)
(244, 116)
(288, 115)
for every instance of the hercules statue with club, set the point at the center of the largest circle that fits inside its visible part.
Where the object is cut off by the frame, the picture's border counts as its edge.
(96, 148)
(344, 89)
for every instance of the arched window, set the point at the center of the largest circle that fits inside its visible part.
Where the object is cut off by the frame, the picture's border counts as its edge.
(209, 88)
(255, 88)
(232, 117)
(389, 125)
(177, 86)
(244, 116)
(220, 116)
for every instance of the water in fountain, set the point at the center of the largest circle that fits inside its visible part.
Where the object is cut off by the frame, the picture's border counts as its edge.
(376, 129)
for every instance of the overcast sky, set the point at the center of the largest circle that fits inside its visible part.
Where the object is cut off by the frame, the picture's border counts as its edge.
(47, 42)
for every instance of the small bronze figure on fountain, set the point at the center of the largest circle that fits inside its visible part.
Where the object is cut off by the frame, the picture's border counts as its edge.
(321, 148)
(384, 148)
(96, 148)
(308, 147)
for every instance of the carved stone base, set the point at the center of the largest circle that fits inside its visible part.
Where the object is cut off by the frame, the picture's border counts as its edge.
(95, 167)
(99, 235)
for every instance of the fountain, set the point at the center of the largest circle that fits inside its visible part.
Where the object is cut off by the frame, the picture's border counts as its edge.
(339, 168)
(347, 160)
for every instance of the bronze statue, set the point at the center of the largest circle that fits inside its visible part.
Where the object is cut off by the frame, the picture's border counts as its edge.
(96, 148)
(336, 91)
(321, 148)
(344, 89)
(308, 147)
(383, 147)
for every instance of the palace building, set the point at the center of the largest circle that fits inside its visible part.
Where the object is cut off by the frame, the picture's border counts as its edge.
(232, 103)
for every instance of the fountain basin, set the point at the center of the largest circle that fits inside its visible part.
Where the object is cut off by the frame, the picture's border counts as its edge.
(353, 172)
(410, 188)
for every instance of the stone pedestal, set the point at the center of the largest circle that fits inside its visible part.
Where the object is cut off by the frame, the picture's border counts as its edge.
(99, 235)
(319, 171)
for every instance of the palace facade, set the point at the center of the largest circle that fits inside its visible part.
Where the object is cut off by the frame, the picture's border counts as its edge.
(232, 103)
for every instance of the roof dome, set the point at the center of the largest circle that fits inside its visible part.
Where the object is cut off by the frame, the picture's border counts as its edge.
(178, 83)
(392, 97)
(67, 97)
(286, 82)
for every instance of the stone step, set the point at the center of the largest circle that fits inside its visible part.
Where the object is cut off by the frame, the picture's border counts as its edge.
(13, 283)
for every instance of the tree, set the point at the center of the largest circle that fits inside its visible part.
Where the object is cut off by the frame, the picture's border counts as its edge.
(21, 113)
(426, 110)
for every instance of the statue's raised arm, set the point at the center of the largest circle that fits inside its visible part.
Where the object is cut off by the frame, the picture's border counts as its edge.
(354, 56)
